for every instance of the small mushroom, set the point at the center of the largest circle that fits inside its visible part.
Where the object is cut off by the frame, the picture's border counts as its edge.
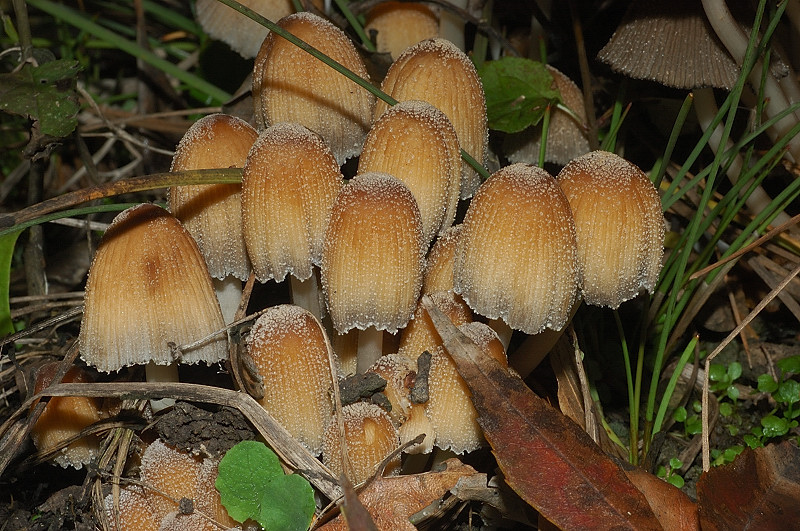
(239, 32)
(290, 349)
(420, 334)
(619, 226)
(399, 25)
(436, 71)
(290, 85)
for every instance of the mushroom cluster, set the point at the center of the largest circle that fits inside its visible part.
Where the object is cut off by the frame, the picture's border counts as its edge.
(521, 258)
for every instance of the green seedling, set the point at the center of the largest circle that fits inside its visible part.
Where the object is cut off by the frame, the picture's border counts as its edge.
(252, 485)
(668, 473)
(722, 379)
(786, 393)
(722, 457)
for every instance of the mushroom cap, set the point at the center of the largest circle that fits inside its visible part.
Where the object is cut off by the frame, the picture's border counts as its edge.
(290, 85)
(148, 286)
(439, 266)
(242, 34)
(400, 25)
(212, 213)
(420, 334)
(565, 137)
(64, 417)
(619, 225)
(450, 407)
(289, 183)
(415, 142)
(373, 255)
(398, 371)
(290, 349)
(671, 43)
(436, 71)
(517, 256)
(370, 437)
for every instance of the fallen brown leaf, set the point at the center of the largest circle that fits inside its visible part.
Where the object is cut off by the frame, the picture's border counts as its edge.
(392, 500)
(760, 489)
(546, 458)
(674, 509)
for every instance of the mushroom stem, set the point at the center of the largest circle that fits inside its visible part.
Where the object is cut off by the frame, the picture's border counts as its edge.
(305, 293)
(161, 374)
(451, 24)
(229, 293)
(370, 348)
(736, 42)
(706, 109)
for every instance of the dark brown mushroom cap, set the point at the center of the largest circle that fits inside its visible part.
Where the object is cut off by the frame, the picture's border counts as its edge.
(671, 43)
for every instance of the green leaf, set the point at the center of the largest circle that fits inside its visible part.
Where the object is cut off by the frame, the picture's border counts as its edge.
(717, 373)
(734, 370)
(7, 243)
(767, 384)
(774, 426)
(252, 485)
(788, 392)
(680, 414)
(790, 364)
(676, 481)
(726, 409)
(694, 425)
(675, 463)
(45, 94)
(517, 92)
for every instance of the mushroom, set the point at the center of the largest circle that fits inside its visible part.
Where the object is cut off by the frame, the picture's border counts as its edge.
(64, 417)
(436, 71)
(290, 349)
(399, 25)
(450, 407)
(149, 290)
(239, 32)
(289, 184)
(415, 142)
(372, 260)
(168, 476)
(211, 213)
(420, 334)
(439, 266)
(566, 138)
(619, 227)
(517, 257)
(289, 85)
(369, 437)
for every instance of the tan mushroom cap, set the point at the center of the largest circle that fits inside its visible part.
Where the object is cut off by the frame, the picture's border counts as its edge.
(517, 255)
(671, 43)
(370, 437)
(290, 85)
(65, 417)
(439, 266)
(415, 142)
(290, 349)
(450, 407)
(400, 25)
(619, 225)
(436, 71)
(289, 184)
(239, 32)
(211, 213)
(373, 255)
(420, 334)
(167, 475)
(565, 137)
(148, 286)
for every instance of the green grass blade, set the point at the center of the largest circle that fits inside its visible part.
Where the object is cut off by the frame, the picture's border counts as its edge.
(7, 244)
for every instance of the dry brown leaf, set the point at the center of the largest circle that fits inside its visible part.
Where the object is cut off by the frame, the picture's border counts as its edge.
(392, 500)
(674, 509)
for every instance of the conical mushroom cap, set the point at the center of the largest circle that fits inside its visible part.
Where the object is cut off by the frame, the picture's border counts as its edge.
(290, 85)
(517, 256)
(148, 286)
(415, 142)
(289, 183)
(436, 71)
(290, 349)
(420, 334)
(373, 256)
(211, 213)
(619, 225)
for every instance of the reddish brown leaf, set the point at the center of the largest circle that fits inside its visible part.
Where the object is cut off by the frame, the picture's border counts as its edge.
(392, 500)
(759, 490)
(674, 509)
(546, 458)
